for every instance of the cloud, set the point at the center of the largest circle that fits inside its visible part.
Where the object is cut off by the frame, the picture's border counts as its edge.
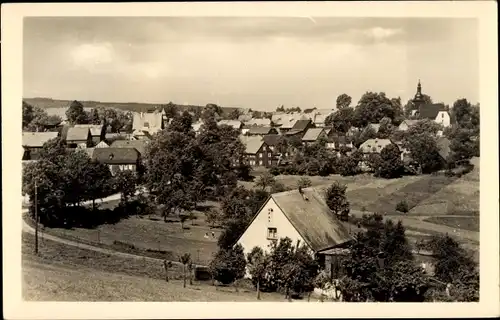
(381, 34)
(92, 56)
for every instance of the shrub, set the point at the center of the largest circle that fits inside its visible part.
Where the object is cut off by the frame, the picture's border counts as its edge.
(402, 206)
(274, 170)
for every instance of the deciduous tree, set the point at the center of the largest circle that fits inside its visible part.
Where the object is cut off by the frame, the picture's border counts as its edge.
(335, 197)
(343, 101)
(76, 114)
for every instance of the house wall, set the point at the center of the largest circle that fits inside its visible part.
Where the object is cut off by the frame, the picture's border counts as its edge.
(257, 233)
(443, 118)
(403, 126)
(263, 157)
(114, 168)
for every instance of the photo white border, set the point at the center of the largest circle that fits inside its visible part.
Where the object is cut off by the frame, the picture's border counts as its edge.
(12, 45)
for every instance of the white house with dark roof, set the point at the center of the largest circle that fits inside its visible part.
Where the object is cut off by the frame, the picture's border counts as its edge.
(301, 215)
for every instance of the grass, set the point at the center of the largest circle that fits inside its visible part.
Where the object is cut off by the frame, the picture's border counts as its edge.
(466, 223)
(63, 273)
(152, 238)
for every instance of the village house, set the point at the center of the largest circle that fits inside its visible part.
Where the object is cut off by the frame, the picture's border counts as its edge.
(406, 124)
(261, 131)
(263, 122)
(33, 142)
(117, 159)
(299, 128)
(338, 142)
(97, 131)
(235, 124)
(372, 146)
(139, 145)
(77, 137)
(273, 142)
(257, 152)
(302, 216)
(151, 122)
(313, 135)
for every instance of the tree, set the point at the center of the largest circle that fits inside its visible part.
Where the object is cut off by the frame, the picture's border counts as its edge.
(367, 133)
(235, 114)
(125, 182)
(349, 165)
(76, 113)
(372, 107)
(341, 120)
(386, 128)
(304, 182)
(182, 123)
(380, 266)
(171, 110)
(99, 176)
(462, 112)
(336, 200)
(424, 151)
(280, 109)
(257, 261)
(343, 101)
(171, 162)
(265, 180)
(391, 165)
(228, 265)
(28, 114)
(94, 117)
(462, 146)
(185, 259)
(424, 126)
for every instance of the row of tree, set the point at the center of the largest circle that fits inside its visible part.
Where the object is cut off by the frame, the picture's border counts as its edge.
(64, 178)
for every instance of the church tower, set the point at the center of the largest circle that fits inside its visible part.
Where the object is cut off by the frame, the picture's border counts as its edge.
(419, 98)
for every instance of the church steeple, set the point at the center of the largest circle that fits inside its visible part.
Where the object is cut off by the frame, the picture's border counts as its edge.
(419, 98)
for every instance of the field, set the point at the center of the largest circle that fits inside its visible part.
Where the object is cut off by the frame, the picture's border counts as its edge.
(149, 236)
(74, 274)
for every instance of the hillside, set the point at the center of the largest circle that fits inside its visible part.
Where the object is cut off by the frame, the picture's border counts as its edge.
(125, 106)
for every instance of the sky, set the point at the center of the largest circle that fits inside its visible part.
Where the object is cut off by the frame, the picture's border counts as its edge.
(259, 63)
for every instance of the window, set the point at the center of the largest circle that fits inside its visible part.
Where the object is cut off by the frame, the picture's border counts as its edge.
(260, 155)
(442, 115)
(272, 233)
(269, 155)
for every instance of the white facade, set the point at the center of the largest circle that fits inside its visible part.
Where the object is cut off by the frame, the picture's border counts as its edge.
(443, 118)
(269, 224)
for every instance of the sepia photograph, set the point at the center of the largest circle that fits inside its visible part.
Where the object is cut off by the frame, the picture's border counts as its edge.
(224, 157)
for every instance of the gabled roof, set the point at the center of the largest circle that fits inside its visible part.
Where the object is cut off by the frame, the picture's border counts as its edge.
(252, 144)
(320, 118)
(235, 124)
(139, 145)
(95, 129)
(301, 124)
(102, 144)
(374, 145)
(409, 123)
(430, 111)
(312, 218)
(288, 123)
(293, 132)
(271, 139)
(116, 155)
(443, 145)
(312, 134)
(77, 134)
(260, 130)
(259, 122)
(37, 139)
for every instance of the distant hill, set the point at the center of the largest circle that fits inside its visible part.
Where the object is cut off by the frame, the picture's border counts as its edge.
(127, 106)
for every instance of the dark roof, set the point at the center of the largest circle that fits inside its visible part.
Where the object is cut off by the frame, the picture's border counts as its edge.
(139, 145)
(312, 218)
(260, 130)
(271, 139)
(116, 155)
(430, 111)
(293, 132)
(301, 125)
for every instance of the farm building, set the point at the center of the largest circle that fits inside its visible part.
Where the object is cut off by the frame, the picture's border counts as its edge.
(118, 159)
(301, 215)
(33, 142)
(257, 152)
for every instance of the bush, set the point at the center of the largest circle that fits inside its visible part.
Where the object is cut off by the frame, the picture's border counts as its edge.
(275, 170)
(402, 206)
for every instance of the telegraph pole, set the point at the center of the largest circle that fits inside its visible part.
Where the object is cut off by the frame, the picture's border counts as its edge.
(36, 219)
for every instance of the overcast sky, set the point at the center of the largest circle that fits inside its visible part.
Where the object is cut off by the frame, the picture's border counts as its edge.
(258, 63)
